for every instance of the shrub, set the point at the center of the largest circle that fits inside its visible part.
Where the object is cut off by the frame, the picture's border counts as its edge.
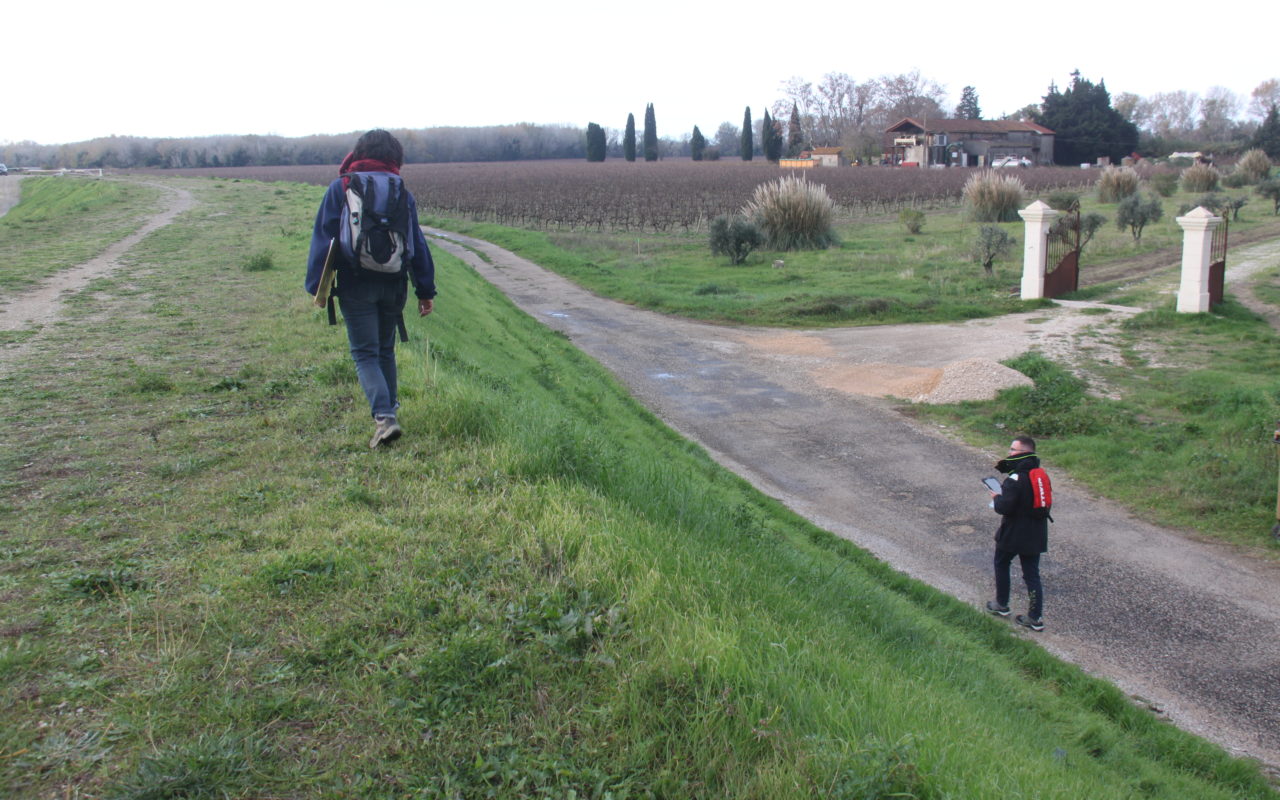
(1117, 183)
(793, 214)
(1164, 183)
(1235, 180)
(1064, 228)
(734, 238)
(1270, 189)
(994, 197)
(1212, 202)
(1254, 166)
(1234, 204)
(1063, 200)
(911, 219)
(1135, 213)
(991, 243)
(1199, 178)
(260, 261)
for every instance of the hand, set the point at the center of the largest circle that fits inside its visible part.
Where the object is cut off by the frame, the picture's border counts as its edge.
(425, 306)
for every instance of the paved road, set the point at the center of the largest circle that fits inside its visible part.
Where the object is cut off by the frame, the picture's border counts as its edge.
(1190, 626)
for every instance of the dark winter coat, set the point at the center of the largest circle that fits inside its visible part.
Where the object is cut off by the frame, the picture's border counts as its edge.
(422, 269)
(1019, 531)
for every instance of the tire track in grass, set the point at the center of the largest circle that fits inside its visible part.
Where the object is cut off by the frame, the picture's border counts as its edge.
(43, 305)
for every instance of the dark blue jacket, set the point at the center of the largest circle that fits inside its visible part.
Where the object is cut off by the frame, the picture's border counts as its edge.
(421, 268)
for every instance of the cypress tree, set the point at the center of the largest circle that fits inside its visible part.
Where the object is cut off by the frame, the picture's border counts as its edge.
(697, 143)
(773, 151)
(629, 139)
(1267, 139)
(595, 142)
(748, 147)
(766, 137)
(795, 136)
(650, 135)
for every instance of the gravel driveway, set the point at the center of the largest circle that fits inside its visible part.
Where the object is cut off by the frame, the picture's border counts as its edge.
(1190, 628)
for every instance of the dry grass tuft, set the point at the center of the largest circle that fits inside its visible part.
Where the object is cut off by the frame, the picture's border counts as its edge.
(990, 196)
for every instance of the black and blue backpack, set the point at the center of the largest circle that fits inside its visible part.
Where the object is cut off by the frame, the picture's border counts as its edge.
(375, 234)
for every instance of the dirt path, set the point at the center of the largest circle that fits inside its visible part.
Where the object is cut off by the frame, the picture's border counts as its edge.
(1132, 269)
(1193, 627)
(43, 304)
(1242, 264)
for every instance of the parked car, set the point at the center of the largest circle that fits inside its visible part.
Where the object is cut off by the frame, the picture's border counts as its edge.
(4, 170)
(1011, 161)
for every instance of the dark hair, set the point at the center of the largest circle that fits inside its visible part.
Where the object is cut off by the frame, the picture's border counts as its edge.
(379, 145)
(1027, 442)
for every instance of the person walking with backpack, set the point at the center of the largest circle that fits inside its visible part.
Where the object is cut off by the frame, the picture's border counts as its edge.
(1023, 504)
(370, 221)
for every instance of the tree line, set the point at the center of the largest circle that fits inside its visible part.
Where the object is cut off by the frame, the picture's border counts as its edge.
(836, 110)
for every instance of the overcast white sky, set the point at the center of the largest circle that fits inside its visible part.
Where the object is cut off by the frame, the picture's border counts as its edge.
(78, 70)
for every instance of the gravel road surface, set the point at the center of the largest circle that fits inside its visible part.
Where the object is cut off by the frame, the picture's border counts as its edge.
(1188, 628)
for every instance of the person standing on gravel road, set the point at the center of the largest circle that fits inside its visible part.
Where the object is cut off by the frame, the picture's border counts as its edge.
(372, 302)
(1023, 532)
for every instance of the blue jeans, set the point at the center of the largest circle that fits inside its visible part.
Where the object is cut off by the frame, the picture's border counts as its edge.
(371, 311)
(1030, 576)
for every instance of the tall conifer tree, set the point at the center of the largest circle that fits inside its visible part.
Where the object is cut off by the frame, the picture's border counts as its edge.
(629, 139)
(968, 107)
(650, 135)
(748, 146)
(1085, 125)
(1267, 138)
(766, 136)
(773, 150)
(596, 144)
(697, 144)
(795, 134)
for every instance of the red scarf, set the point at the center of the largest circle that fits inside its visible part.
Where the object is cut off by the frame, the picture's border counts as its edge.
(352, 164)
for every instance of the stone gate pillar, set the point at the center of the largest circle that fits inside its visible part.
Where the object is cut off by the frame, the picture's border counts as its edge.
(1197, 240)
(1038, 218)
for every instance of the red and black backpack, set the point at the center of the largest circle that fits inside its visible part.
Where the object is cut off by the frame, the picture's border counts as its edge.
(1041, 494)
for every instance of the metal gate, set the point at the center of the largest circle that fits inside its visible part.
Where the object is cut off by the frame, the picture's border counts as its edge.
(1217, 262)
(1064, 254)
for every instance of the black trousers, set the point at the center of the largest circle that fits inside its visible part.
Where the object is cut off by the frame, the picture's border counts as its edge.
(1030, 576)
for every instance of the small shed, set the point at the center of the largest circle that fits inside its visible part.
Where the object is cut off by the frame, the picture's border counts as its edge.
(827, 156)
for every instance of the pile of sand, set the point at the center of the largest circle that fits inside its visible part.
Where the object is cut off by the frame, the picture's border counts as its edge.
(972, 379)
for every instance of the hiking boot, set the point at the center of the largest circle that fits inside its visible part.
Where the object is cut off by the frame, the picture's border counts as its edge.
(997, 609)
(1034, 623)
(387, 431)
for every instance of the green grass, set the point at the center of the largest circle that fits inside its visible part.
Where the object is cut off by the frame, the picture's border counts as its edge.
(877, 274)
(1267, 287)
(1189, 444)
(62, 222)
(214, 589)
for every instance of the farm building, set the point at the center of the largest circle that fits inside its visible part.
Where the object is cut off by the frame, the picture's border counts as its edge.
(967, 142)
(817, 157)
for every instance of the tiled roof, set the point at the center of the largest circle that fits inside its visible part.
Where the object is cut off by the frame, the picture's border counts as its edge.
(972, 126)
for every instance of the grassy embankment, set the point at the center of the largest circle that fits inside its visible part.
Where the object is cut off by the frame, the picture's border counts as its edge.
(1170, 414)
(213, 589)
